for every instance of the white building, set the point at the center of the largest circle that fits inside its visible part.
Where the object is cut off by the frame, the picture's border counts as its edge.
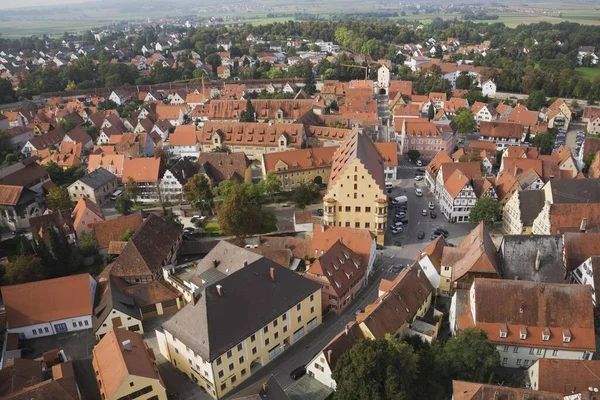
(527, 321)
(488, 88)
(586, 274)
(50, 307)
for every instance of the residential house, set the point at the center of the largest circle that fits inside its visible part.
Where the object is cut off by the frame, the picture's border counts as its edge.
(120, 97)
(514, 314)
(219, 167)
(224, 71)
(50, 306)
(17, 205)
(586, 55)
(565, 377)
(483, 112)
(18, 136)
(108, 231)
(278, 111)
(432, 171)
(51, 221)
(425, 137)
(269, 308)
(126, 367)
(455, 189)
(535, 258)
(389, 153)
(591, 116)
(354, 202)
(520, 211)
(488, 88)
(529, 119)
(114, 308)
(184, 142)
(303, 221)
(502, 133)
(300, 166)
(268, 388)
(113, 163)
(480, 391)
(153, 246)
(254, 139)
(323, 136)
(97, 186)
(342, 274)
(43, 142)
(175, 177)
(85, 214)
(78, 135)
(406, 301)
(430, 261)
(558, 114)
(586, 274)
(163, 128)
(26, 379)
(146, 173)
(174, 114)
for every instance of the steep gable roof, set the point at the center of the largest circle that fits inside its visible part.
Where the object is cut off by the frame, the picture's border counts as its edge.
(303, 159)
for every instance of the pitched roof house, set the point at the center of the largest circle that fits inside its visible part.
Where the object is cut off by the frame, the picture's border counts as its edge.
(219, 167)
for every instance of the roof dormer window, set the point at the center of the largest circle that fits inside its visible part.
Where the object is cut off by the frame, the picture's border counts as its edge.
(566, 335)
(546, 334)
(503, 331)
(523, 333)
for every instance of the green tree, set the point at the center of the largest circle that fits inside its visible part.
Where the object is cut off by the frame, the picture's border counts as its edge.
(88, 244)
(430, 112)
(198, 192)
(469, 356)
(270, 185)
(536, 100)
(222, 149)
(377, 369)
(24, 247)
(58, 199)
(465, 121)
(304, 194)
(131, 190)
(486, 210)
(61, 249)
(238, 215)
(44, 254)
(464, 81)
(544, 142)
(414, 155)
(249, 114)
(123, 205)
(125, 236)
(310, 84)
(23, 269)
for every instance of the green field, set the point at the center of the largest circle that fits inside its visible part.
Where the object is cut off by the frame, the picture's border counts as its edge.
(589, 72)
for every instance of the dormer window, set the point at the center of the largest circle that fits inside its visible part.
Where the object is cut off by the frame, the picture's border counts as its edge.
(546, 334)
(523, 333)
(503, 331)
(566, 335)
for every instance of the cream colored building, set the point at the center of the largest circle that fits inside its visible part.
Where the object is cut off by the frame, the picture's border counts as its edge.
(299, 166)
(125, 368)
(356, 192)
(520, 211)
(98, 186)
(239, 323)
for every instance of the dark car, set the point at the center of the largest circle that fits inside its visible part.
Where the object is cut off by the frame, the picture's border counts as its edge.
(440, 229)
(420, 235)
(421, 170)
(320, 212)
(379, 247)
(433, 236)
(298, 372)
(432, 214)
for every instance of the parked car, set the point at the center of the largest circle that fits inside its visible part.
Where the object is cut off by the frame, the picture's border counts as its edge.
(298, 372)
(424, 212)
(419, 178)
(378, 247)
(396, 268)
(431, 205)
(419, 163)
(432, 214)
(421, 170)
(419, 192)
(188, 231)
(400, 214)
(320, 212)
(284, 205)
(440, 229)
(397, 230)
(420, 235)
(433, 236)
(358, 311)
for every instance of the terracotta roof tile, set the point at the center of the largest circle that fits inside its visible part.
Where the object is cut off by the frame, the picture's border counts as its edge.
(10, 195)
(107, 231)
(303, 159)
(148, 169)
(249, 133)
(389, 152)
(501, 129)
(342, 267)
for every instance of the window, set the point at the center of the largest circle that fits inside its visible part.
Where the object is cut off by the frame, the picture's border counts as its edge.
(348, 208)
(506, 348)
(254, 350)
(299, 318)
(526, 363)
(368, 209)
(80, 324)
(357, 209)
(284, 317)
(348, 224)
(504, 360)
(74, 324)
(231, 366)
(34, 332)
(241, 359)
(84, 322)
(367, 225)
(531, 351)
(243, 372)
(229, 353)
(266, 341)
(518, 361)
(239, 347)
(46, 329)
(253, 338)
(284, 329)
(312, 309)
(176, 350)
(223, 386)
(554, 353)
(266, 329)
(276, 335)
(219, 361)
(539, 351)
(312, 297)
(275, 323)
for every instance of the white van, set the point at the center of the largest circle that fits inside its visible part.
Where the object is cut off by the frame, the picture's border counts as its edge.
(116, 194)
(401, 199)
(388, 185)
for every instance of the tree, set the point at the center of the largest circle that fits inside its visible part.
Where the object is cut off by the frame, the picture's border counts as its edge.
(222, 149)
(414, 155)
(304, 194)
(249, 114)
(469, 356)
(536, 100)
(125, 236)
(23, 269)
(377, 369)
(131, 190)
(198, 192)
(486, 210)
(61, 249)
(270, 185)
(465, 121)
(88, 244)
(123, 205)
(430, 112)
(464, 81)
(58, 199)
(310, 85)
(528, 134)
(237, 215)
(544, 142)
(24, 247)
(44, 254)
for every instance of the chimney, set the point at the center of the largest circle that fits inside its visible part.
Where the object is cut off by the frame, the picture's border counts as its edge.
(265, 388)
(272, 273)
(215, 263)
(346, 330)
(220, 290)
(329, 356)
(419, 273)
(537, 260)
(583, 224)
(521, 309)
(245, 263)
(516, 172)
(194, 299)
(322, 228)
(127, 345)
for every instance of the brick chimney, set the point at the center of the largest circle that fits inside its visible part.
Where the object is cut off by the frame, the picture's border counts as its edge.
(272, 273)
(329, 356)
(583, 225)
(265, 388)
(220, 290)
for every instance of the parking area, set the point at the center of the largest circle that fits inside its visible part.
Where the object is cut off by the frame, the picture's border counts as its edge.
(76, 345)
(574, 138)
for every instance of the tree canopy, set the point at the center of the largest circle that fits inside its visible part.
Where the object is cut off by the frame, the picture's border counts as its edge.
(486, 210)
(465, 121)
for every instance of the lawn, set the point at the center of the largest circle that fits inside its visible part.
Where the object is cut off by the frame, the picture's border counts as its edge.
(212, 228)
(589, 72)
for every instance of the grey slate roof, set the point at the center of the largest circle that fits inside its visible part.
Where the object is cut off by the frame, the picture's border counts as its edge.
(250, 301)
(183, 170)
(531, 203)
(111, 297)
(519, 254)
(575, 190)
(97, 178)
